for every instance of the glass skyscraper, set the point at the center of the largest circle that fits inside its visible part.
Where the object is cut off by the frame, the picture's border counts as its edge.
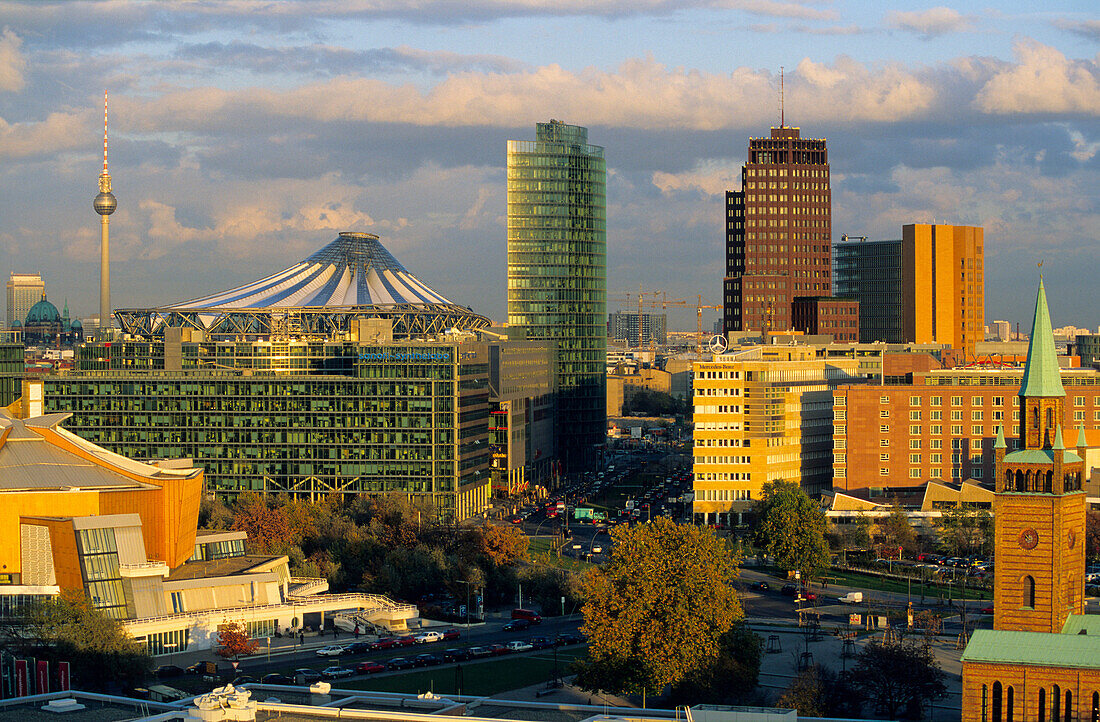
(557, 272)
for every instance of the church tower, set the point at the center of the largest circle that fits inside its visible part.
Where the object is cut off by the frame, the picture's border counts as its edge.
(1039, 506)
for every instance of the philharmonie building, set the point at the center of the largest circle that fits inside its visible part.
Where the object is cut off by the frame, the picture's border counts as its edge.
(344, 373)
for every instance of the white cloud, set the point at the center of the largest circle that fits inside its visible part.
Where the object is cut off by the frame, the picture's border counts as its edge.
(12, 63)
(1043, 80)
(929, 23)
(712, 177)
(1085, 28)
(59, 131)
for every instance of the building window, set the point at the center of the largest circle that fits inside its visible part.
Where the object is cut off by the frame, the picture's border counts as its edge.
(885, 443)
(976, 430)
(884, 457)
(956, 400)
(914, 458)
(1028, 600)
(884, 399)
(884, 471)
(914, 400)
(997, 702)
(937, 401)
(884, 413)
(935, 430)
(936, 415)
(914, 416)
(956, 416)
(914, 431)
(975, 400)
(884, 428)
(977, 416)
(936, 458)
(956, 429)
(914, 473)
(1078, 400)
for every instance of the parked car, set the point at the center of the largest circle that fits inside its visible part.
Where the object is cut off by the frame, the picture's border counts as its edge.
(165, 671)
(987, 610)
(517, 625)
(399, 663)
(384, 643)
(202, 668)
(759, 586)
(479, 652)
(789, 590)
(332, 650)
(244, 679)
(276, 679)
(455, 655)
(308, 676)
(369, 667)
(336, 672)
(569, 638)
(519, 646)
(426, 660)
(541, 642)
(406, 641)
(428, 637)
(498, 649)
(451, 634)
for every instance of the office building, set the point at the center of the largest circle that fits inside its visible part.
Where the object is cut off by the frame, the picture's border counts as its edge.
(24, 290)
(342, 374)
(557, 273)
(625, 327)
(521, 416)
(870, 273)
(941, 426)
(761, 415)
(76, 516)
(1041, 660)
(778, 232)
(826, 315)
(943, 285)
(1087, 347)
(1002, 331)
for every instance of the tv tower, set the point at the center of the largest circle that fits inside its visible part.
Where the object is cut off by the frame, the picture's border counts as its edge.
(104, 205)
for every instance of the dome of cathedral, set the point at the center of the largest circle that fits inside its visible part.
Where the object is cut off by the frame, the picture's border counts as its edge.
(42, 312)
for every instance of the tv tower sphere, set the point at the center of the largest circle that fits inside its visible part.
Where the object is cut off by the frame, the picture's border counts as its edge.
(105, 203)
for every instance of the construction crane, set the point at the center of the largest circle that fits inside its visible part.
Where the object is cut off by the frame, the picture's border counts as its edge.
(660, 300)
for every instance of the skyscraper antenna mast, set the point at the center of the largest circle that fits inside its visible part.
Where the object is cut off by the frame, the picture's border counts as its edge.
(782, 118)
(104, 204)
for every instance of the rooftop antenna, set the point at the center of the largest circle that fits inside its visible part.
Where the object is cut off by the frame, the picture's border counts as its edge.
(782, 118)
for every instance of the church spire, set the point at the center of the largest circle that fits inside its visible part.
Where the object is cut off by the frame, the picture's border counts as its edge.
(1042, 377)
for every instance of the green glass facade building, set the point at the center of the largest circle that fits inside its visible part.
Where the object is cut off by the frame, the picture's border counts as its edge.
(300, 417)
(557, 273)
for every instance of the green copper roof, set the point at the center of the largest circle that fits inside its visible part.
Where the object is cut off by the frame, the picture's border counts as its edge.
(1076, 622)
(1000, 442)
(1058, 443)
(1039, 456)
(1081, 437)
(1042, 376)
(1034, 648)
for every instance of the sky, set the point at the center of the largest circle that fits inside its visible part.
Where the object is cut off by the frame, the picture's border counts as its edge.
(244, 135)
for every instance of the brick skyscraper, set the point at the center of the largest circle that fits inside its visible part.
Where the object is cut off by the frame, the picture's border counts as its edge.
(778, 231)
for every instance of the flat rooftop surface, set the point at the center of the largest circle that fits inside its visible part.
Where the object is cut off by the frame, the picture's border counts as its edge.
(218, 567)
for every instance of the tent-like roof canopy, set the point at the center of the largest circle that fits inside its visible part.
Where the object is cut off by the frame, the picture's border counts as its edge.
(352, 277)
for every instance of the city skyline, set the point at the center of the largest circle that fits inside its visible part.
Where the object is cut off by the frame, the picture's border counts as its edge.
(238, 134)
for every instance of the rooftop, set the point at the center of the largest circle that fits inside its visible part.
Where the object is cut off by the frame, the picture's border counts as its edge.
(219, 567)
(1074, 650)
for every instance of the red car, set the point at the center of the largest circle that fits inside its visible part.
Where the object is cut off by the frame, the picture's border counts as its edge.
(406, 641)
(387, 643)
(369, 667)
(451, 634)
(498, 649)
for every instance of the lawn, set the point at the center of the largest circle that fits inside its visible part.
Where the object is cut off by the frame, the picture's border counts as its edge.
(476, 678)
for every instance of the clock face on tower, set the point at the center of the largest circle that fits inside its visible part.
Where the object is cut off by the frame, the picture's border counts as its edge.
(1029, 538)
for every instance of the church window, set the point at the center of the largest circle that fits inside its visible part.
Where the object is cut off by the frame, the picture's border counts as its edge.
(1035, 418)
(1029, 592)
(1042, 705)
(1069, 705)
(1008, 704)
(997, 702)
(985, 703)
(1050, 418)
(1096, 707)
(1056, 704)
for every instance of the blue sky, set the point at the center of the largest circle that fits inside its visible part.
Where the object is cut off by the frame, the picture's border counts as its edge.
(246, 134)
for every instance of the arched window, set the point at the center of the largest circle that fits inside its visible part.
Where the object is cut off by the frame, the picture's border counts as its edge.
(1069, 706)
(1028, 599)
(1008, 705)
(1035, 417)
(1050, 419)
(1056, 704)
(1048, 482)
(997, 702)
(1020, 486)
(1096, 707)
(985, 703)
(1042, 705)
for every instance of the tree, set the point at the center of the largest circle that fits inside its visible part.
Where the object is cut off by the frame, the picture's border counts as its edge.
(897, 532)
(503, 546)
(820, 692)
(965, 532)
(1092, 535)
(898, 676)
(234, 640)
(68, 627)
(656, 611)
(853, 535)
(732, 677)
(791, 528)
(267, 528)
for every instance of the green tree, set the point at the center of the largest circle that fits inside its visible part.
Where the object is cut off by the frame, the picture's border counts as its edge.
(897, 533)
(898, 677)
(102, 654)
(791, 528)
(656, 611)
(820, 692)
(965, 532)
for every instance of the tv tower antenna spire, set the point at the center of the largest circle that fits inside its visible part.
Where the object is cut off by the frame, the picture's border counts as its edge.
(782, 118)
(104, 204)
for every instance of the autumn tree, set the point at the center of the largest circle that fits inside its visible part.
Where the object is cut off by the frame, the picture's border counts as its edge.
(790, 527)
(503, 546)
(267, 528)
(656, 611)
(898, 677)
(68, 627)
(234, 640)
(1092, 535)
